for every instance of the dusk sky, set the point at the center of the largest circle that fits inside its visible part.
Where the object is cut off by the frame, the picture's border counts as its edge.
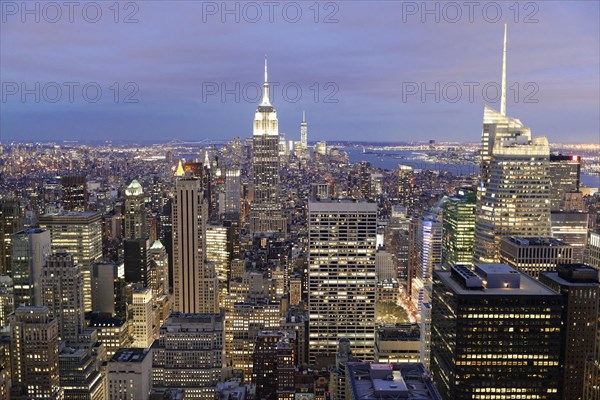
(366, 56)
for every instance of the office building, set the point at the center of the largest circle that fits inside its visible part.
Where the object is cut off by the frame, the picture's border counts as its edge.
(265, 211)
(233, 190)
(143, 318)
(458, 229)
(571, 227)
(113, 332)
(62, 293)
(195, 287)
(107, 279)
(425, 256)
(218, 254)
(135, 212)
(533, 255)
(592, 250)
(130, 374)
(578, 286)
(80, 376)
(243, 325)
(495, 332)
(341, 278)
(513, 196)
(189, 354)
(158, 267)
(406, 188)
(80, 234)
(11, 222)
(273, 365)
(136, 261)
(564, 172)
(30, 248)
(34, 354)
(74, 193)
(7, 299)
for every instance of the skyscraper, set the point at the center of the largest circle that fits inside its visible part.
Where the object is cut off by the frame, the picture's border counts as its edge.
(495, 332)
(62, 293)
(564, 174)
(34, 358)
(514, 192)
(458, 229)
(534, 255)
(304, 152)
(143, 318)
(406, 188)
(31, 247)
(135, 212)
(425, 257)
(11, 222)
(232, 191)
(195, 287)
(265, 212)
(80, 234)
(341, 278)
(74, 193)
(578, 286)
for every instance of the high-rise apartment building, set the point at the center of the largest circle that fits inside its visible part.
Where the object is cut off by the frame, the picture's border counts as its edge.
(195, 287)
(265, 212)
(80, 234)
(578, 286)
(62, 293)
(458, 229)
(34, 355)
(495, 333)
(341, 278)
(189, 354)
(135, 212)
(533, 255)
(30, 249)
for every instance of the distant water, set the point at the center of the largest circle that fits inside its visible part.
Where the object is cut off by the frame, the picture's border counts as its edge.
(410, 158)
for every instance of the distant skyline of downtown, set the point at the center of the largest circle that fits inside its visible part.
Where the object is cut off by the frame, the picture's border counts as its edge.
(362, 71)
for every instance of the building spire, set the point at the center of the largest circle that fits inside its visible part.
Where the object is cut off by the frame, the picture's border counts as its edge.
(265, 99)
(503, 95)
(303, 116)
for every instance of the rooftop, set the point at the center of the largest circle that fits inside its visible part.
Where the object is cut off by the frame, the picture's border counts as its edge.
(535, 241)
(494, 279)
(390, 381)
(130, 355)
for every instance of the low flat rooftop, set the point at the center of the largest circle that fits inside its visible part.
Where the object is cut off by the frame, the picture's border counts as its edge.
(130, 355)
(528, 287)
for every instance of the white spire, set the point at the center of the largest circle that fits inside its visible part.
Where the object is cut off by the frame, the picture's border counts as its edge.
(303, 116)
(503, 96)
(265, 99)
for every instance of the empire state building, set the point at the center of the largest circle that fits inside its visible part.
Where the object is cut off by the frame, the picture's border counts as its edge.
(265, 211)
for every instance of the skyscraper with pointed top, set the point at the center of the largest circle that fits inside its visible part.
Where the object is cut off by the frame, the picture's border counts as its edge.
(513, 197)
(265, 211)
(304, 134)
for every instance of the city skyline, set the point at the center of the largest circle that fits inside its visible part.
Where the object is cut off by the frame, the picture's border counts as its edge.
(368, 61)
